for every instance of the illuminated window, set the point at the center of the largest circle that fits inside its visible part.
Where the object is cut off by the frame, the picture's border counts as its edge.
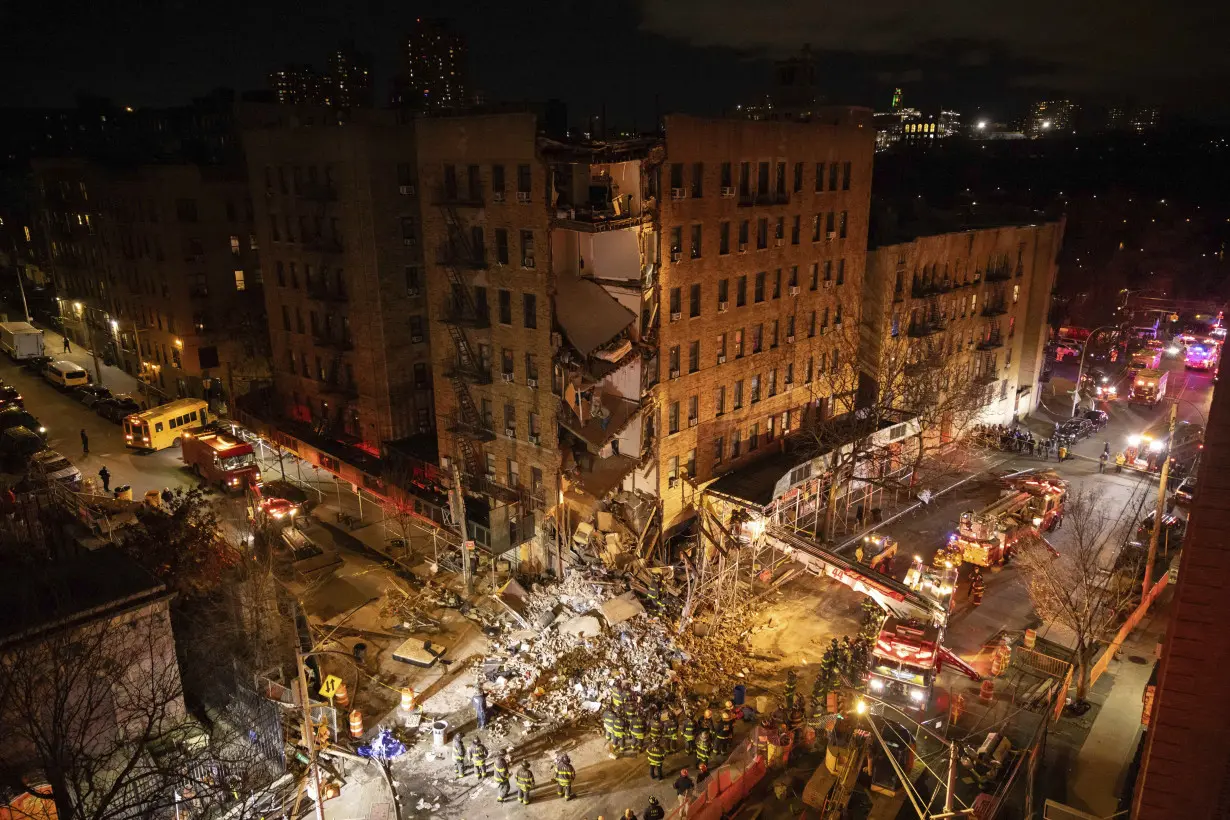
(239, 283)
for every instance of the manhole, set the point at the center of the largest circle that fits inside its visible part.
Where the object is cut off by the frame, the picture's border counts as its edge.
(1138, 659)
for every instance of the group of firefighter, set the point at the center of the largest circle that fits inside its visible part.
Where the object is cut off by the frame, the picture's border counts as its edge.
(977, 584)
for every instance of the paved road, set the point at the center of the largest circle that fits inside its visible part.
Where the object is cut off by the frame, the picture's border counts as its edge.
(64, 418)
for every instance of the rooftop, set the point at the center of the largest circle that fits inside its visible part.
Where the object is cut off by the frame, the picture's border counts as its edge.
(899, 220)
(80, 588)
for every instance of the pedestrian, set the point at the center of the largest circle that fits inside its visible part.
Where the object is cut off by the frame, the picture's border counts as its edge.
(564, 775)
(703, 748)
(655, 810)
(1058, 520)
(525, 782)
(656, 758)
(105, 475)
(501, 776)
(629, 815)
(167, 496)
(85, 443)
(67, 347)
(1063, 453)
(1106, 449)
(459, 756)
(1120, 460)
(1102, 463)
(977, 587)
(478, 758)
(683, 787)
(480, 707)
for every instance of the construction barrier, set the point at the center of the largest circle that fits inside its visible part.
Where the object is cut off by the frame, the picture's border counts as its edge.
(356, 724)
(726, 786)
(1131, 623)
(1031, 638)
(341, 697)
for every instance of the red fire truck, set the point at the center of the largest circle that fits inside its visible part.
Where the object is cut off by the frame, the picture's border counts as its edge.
(909, 651)
(220, 459)
(1029, 506)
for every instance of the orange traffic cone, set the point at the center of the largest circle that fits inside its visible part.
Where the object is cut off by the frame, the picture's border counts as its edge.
(356, 724)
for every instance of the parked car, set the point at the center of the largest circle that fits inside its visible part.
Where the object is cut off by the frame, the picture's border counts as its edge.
(88, 394)
(1186, 490)
(1098, 418)
(48, 466)
(10, 397)
(1073, 430)
(37, 364)
(19, 417)
(17, 445)
(117, 408)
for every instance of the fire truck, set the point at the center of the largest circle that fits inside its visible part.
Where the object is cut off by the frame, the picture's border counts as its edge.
(1029, 506)
(909, 651)
(221, 459)
(1149, 386)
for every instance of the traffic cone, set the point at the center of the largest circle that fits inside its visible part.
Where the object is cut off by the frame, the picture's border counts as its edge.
(407, 699)
(356, 724)
(342, 697)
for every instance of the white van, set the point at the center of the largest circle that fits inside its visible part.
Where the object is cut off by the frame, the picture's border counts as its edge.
(66, 374)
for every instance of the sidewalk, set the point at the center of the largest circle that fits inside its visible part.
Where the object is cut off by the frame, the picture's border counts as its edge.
(113, 378)
(1096, 775)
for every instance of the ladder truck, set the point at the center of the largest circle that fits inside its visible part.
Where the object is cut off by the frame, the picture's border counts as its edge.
(1030, 506)
(909, 651)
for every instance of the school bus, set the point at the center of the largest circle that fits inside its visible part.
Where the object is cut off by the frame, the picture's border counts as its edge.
(162, 427)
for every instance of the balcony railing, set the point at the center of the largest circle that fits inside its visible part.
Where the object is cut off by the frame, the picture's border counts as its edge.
(999, 273)
(478, 432)
(994, 309)
(324, 294)
(333, 342)
(472, 375)
(317, 191)
(991, 342)
(457, 312)
(918, 330)
(458, 258)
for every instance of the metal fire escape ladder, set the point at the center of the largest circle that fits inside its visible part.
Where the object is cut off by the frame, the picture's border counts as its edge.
(461, 300)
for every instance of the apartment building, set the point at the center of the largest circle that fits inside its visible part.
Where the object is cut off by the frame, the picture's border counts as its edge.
(338, 223)
(156, 266)
(764, 237)
(973, 302)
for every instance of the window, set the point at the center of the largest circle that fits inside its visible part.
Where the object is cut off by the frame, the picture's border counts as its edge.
(672, 472)
(837, 314)
(736, 446)
(762, 179)
(694, 356)
(501, 245)
(510, 417)
(743, 235)
(770, 428)
(274, 233)
(759, 293)
(834, 362)
(497, 179)
(523, 180)
(790, 326)
(674, 361)
(693, 410)
(738, 401)
(828, 270)
(811, 327)
(409, 231)
(790, 374)
(507, 361)
(698, 180)
(416, 327)
(673, 418)
(514, 474)
(745, 179)
(757, 338)
(298, 321)
(798, 177)
(811, 361)
(235, 244)
(741, 291)
(762, 233)
(739, 343)
(676, 176)
(450, 182)
(676, 242)
(413, 281)
(690, 463)
(773, 382)
(773, 334)
(527, 249)
(676, 302)
(505, 302)
(830, 220)
(185, 210)
(724, 238)
(721, 400)
(777, 283)
(727, 177)
(815, 228)
(529, 310)
(286, 318)
(721, 347)
(779, 230)
(780, 179)
(841, 271)
(841, 224)
(1016, 294)
(718, 446)
(239, 283)
(694, 301)
(815, 275)
(420, 375)
(845, 176)
(723, 288)
(795, 229)
(753, 437)
(833, 176)
(531, 367)
(480, 303)
(696, 242)
(755, 388)
(475, 182)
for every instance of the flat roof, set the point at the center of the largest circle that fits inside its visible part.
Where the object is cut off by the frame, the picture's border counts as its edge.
(755, 482)
(171, 407)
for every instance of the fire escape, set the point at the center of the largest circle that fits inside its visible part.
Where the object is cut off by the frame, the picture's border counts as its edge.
(469, 427)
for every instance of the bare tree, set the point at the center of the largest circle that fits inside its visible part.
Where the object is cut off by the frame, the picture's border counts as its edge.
(1089, 587)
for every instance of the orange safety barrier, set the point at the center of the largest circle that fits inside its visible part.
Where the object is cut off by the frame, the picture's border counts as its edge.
(356, 724)
(407, 699)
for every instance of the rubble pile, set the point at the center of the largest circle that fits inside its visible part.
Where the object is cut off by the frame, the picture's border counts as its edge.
(556, 671)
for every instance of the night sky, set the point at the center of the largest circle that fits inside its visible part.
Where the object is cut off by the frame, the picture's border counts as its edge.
(640, 58)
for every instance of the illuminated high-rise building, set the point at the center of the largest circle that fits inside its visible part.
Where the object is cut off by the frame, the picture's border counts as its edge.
(296, 84)
(349, 81)
(896, 99)
(1052, 118)
(435, 68)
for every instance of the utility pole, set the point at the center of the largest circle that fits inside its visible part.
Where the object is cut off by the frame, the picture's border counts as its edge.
(1160, 510)
(89, 335)
(21, 285)
(309, 736)
(456, 500)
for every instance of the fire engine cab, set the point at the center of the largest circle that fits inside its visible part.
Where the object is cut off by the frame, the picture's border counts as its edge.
(1029, 506)
(222, 460)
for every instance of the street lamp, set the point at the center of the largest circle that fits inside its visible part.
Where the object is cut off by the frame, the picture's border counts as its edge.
(1076, 392)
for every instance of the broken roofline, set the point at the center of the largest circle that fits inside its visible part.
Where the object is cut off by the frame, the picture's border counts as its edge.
(598, 152)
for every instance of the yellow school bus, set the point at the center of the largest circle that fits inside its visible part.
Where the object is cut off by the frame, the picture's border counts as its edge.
(163, 426)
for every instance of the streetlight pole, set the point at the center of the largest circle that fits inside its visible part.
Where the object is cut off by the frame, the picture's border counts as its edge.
(1076, 392)
(1160, 509)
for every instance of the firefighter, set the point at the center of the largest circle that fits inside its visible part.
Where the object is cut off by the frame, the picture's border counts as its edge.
(725, 728)
(703, 747)
(459, 756)
(608, 724)
(655, 594)
(564, 775)
(618, 696)
(843, 658)
(637, 730)
(977, 587)
(501, 776)
(689, 733)
(620, 734)
(478, 758)
(1120, 460)
(792, 683)
(525, 782)
(656, 757)
(654, 730)
(670, 731)
(707, 723)
(654, 811)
